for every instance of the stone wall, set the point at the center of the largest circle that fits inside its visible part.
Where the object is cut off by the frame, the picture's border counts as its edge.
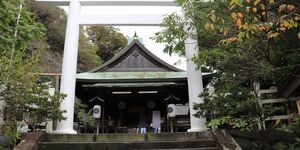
(254, 140)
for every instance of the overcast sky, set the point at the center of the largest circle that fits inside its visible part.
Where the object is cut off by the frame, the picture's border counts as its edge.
(144, 32)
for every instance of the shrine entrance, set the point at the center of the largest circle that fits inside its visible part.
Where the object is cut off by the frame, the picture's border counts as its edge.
(76, 19)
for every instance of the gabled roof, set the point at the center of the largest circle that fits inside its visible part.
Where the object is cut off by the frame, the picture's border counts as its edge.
(135, 58)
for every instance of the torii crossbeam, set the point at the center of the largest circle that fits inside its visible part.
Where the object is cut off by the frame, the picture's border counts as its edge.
(69, 66)
(113, 2)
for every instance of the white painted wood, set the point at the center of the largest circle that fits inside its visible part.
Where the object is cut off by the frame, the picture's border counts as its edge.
(49, 124)
(195, 83)
(122, 20)
(275, 100)
(268, 91)
(281, 117)
(112, 2)
(69, 67)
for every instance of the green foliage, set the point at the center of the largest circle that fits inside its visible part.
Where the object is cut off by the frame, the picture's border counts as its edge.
(233, 107)
(20, 88)
(239, 123)
(243, 42)
(10, 132)
(96, 44)
(108, 39)
(172, 36)
(28, 30)
(292, 128)
(40, 106)
(81, 109)
(24, 94)
(87, 54)
(54, 19)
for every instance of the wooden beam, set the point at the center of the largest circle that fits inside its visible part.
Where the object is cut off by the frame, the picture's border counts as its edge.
(122, 20)
(112, 2)
(291, 87)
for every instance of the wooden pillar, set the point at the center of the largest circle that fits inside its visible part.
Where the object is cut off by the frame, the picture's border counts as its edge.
(57, 77)
(103, 117)
(298, 105)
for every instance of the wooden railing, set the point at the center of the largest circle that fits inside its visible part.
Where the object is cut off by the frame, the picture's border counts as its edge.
(288, 115)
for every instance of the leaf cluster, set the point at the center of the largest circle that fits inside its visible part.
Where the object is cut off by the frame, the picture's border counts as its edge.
(27, 29)
(172, 36)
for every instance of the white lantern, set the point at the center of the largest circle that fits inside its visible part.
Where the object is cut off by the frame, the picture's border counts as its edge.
(97, 111)
(171, 110)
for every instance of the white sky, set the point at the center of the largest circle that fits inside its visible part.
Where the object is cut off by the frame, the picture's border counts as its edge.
(143, 32)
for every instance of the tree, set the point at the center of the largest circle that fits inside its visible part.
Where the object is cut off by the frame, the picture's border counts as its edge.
(96, 44)
(19, 79)
(108, 39)
(26, 96)
(244, 43)
(87, 54)
(54, 19)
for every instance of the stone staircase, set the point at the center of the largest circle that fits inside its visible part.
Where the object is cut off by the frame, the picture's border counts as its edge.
(163, 141)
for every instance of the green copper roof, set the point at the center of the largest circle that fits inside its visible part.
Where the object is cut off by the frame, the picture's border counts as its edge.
(132, 75)
(154, 84)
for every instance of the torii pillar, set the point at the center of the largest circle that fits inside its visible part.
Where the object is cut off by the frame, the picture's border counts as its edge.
(69, 68)
(195, 86)
(195, 82)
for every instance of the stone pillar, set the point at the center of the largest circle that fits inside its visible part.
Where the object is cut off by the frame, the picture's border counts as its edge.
(69, 67)
(195, 83)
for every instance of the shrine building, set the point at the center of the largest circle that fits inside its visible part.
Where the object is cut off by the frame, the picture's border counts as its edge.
(133, 85)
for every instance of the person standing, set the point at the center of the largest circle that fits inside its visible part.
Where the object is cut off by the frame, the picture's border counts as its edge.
(143, 123)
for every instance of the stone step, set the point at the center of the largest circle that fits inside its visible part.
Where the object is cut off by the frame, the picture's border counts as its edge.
(205, 148)
(127, 137)
(207, 143)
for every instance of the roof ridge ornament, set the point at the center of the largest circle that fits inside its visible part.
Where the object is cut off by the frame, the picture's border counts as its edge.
(134, 37)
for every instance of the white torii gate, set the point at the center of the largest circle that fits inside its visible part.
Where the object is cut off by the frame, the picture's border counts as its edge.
(75, 19)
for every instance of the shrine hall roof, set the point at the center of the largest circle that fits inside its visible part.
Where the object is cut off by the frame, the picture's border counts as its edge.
(135, 57)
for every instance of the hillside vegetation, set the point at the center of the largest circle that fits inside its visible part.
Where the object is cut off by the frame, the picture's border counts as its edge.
(96, 45)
